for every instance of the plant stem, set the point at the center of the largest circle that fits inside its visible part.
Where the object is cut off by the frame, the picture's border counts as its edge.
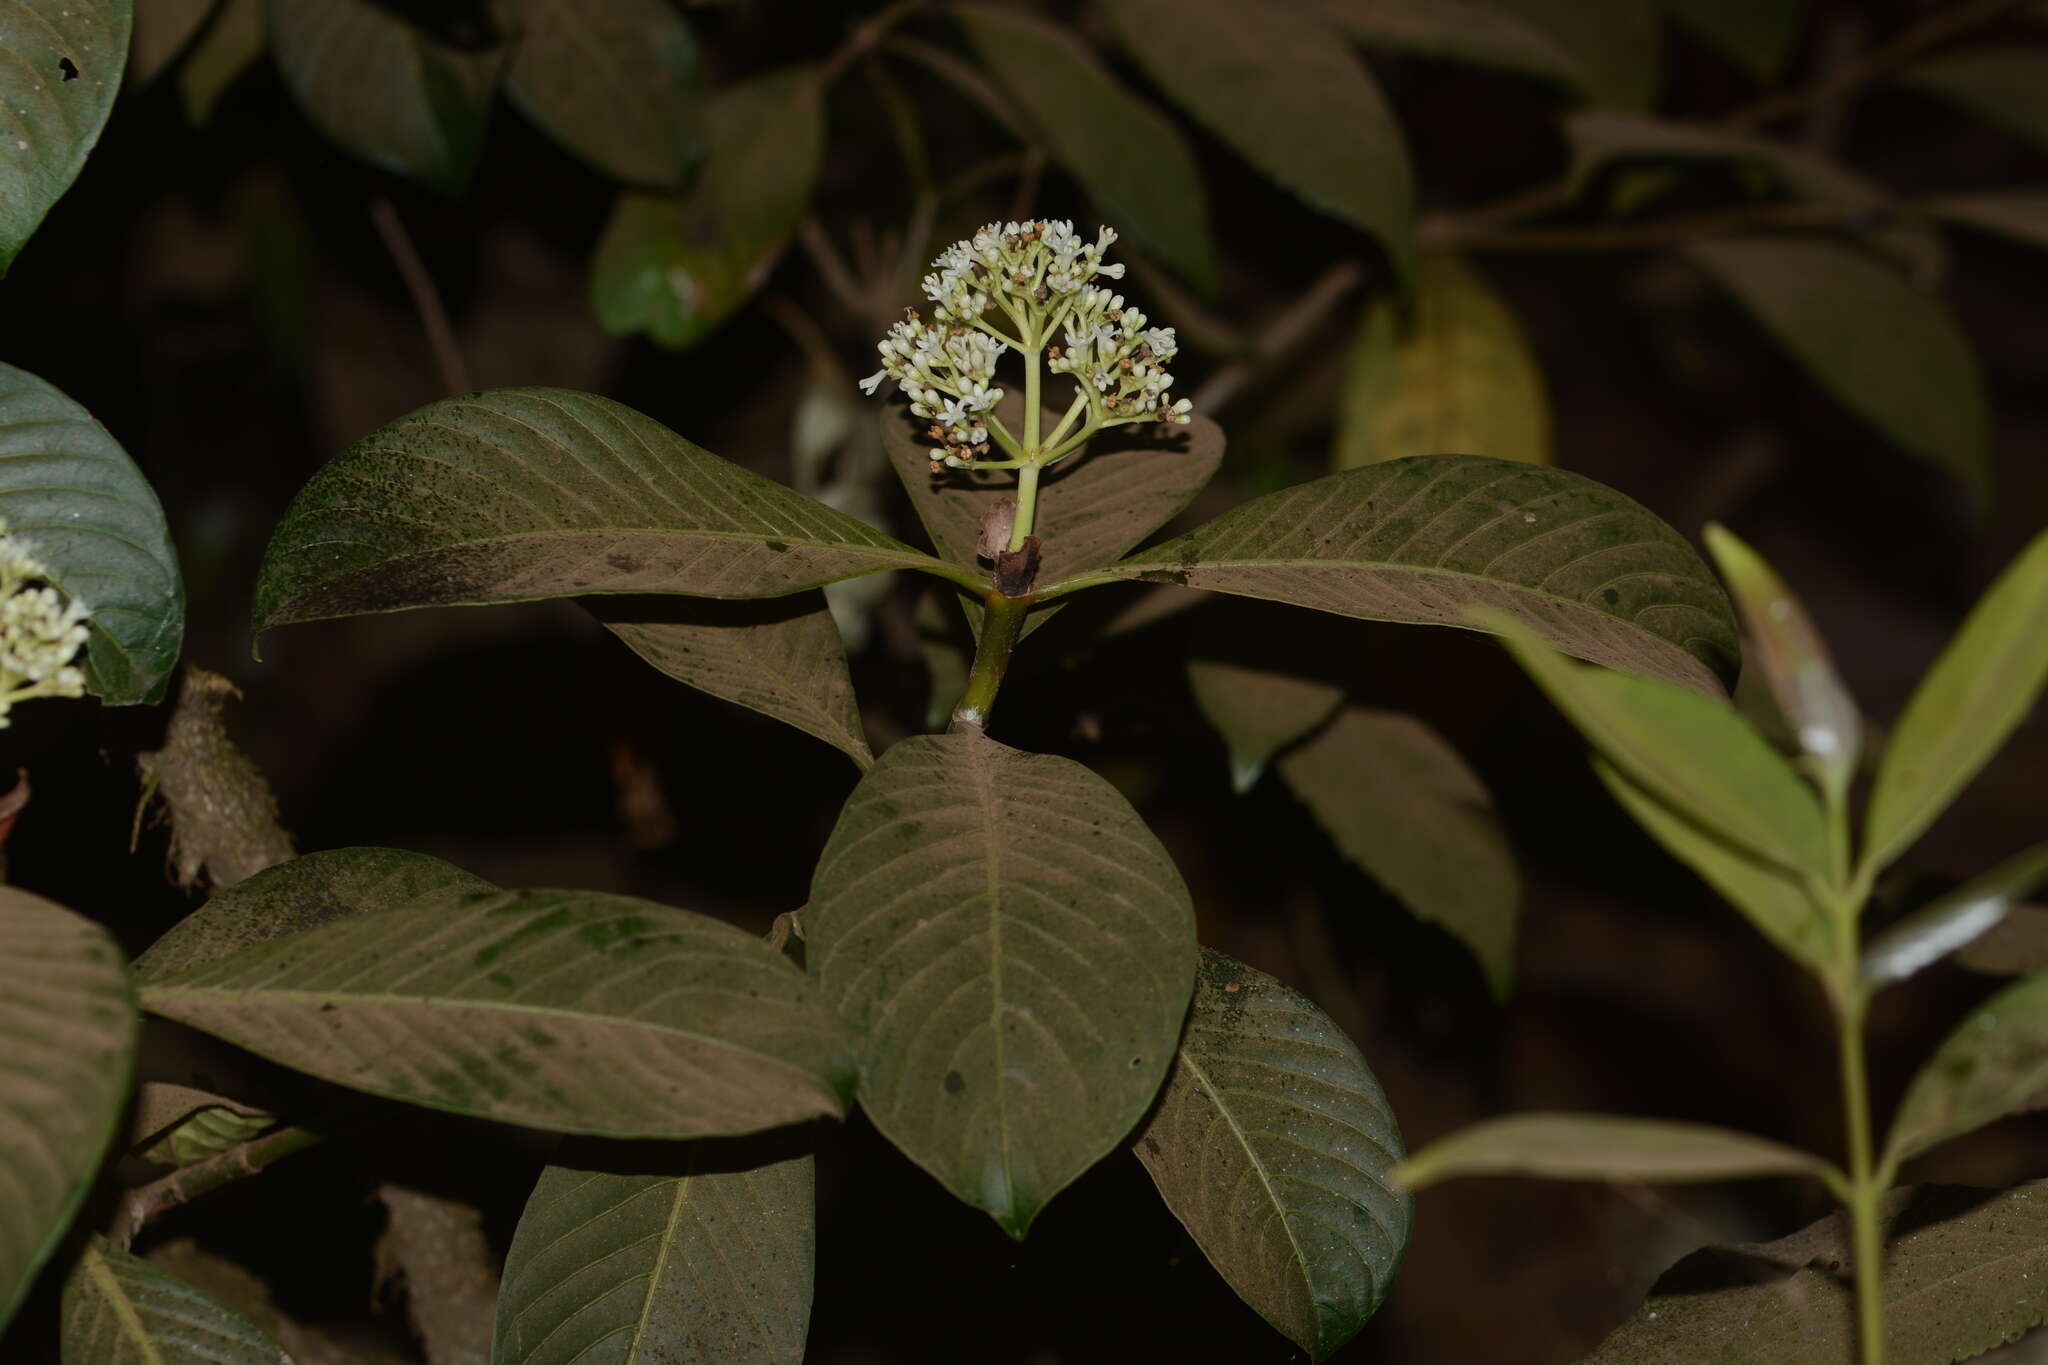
(1864, 1190)
(1027, 503)
(145, 1202)
(1002, 618)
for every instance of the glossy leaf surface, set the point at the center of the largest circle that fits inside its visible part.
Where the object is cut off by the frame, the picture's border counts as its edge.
(614, 81)
(56, 89)
(1602, 1147)
(121, 1310)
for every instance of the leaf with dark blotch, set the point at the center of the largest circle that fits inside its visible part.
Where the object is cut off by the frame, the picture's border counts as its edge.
(676, 266)
(1130, 158)
(1618, 43)
(614, 81)
(72, 496)
(61, 75)
(1885, 350)
(119, 1309)
(1274, 1144)
(705, 1259)
(1603, 1147)
(1965, 1269)
(1953, 922)
(177, 1125)
(782, 657)
(67, 1039)
(1402, 804)
(1012, 950)
(2004, 84)
(1995, 1063)
(517, 494)
(1457, 31)
(1283, 91)
(574, 1011)
(1423, 540)
(387, 90)
(1757, 35)
(2021, 215)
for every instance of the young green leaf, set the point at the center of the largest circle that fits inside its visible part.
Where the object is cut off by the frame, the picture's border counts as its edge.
(67, 1040)
(1258, 711)
(58, 85)
(1451, 373)
(1955, 921)
(676, 266)
(1457, 31)
(1994, 1063)
(1757, 35)
(517, 494)
(706, 1259)
(782, 657)
(1273, 1143)
(71, 494)
(1278, 85)
(1619, 44)
(1401, 803)
(226, 49)
(614, 81)
(1603, 1147)
(176, 1125)
(2005, 85)
(1013, 952)
(1888, 352)
(1982, 686)
(163, 30)
(1693, 753)
(2021, 215)
(119, 1309)
(386, 89)
(1129, 157)
(1423, 539)
(575, 1011)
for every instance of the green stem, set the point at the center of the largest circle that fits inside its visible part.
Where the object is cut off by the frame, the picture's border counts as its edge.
(1074, 409)
(1031, 380)
(1001, 620)
(1027, 504)
(1865, 1188)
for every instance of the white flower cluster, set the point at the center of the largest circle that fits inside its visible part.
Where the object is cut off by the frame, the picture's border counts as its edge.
(946, 371)
(1111, 350)
(1021, 268)
(40, 632)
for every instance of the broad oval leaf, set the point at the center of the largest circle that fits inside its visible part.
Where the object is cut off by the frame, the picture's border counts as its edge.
(706, 1260)
(63, 70)
(2004, 84)
(1955, 921)
(1994, 1063)
(176, 1125)
(676, 266)
(1423, 540)
(614, 81)
(1618, 43)
(1013, 952)
(1277, 84)
(385, 89)
(1885, 350)
(1132, 161)
(121, 1310)
(1449, 373)
(575, 1011)
(71, 494)
(1757, 35)
(1603, 1147)
(67, 1040)
(517, 494)
(1274, 1145)
(1982, 686)
(2021, 215)
(1402, 804)
(1457, 31)
(782, 657)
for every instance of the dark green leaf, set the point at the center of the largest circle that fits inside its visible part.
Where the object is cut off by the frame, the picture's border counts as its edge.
(2005, 85)
(163, 30)
(1955, 921)
(1278, 86)
(1995, 1063)
(694, 1255)
(1273, 1143)
(67, 1040)
(1424, 539)
(176, 1125)
(781, 657)
(1757, 35)
(230, 45)
(63, 69)
(387, 90)
(1888, 352)
(2019, 214)
(614, 81)
(1457, 31)
(1402, 804)
(1617, 42)
(575, 1011)
(1131, 160)
(518, 494)
(121, 1310)
(676, 266)
(71, 494)
(1258, 711)
(1982, 686)
(1602, 1147)
(1013, 952)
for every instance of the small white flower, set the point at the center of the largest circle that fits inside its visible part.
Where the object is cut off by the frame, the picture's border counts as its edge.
(873, 382)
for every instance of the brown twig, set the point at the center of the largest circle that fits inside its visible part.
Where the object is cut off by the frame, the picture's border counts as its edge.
(1197, 326)
(1282, 334)
(866, 38)
(964, 78)
(832, 268)
(145, 1202)
(426, 299)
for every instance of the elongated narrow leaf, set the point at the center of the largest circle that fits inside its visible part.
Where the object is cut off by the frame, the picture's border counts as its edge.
(1424, 539)
(72, 496)
(575, 1011)
(1282, 90)
(58, 84)
(1013, 952)
(707, 1261)
(614, 81)
(1274, 1144)
(1888, 352)
(2021, 215)
(67, 1039)
(1955, 921)
(1602, 1147)
(1458, 31)
(781, 657)
(1964, 1269)
(385, 89)
(676, 266)
(2005, 85)
(1757, 35)
(516, 494)
(1126, 154)
(1617, 42)
(176, 1125)
(1449, 374)
(1258, 711)
(1982, 686)
(1995, 1063)
(163, 29)
(121, 1310)
(1401, 803)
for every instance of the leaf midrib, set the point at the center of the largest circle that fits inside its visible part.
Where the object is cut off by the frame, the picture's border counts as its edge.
(117, 1297)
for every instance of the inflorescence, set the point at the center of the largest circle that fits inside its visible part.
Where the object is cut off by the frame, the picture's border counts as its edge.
(40, 632)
